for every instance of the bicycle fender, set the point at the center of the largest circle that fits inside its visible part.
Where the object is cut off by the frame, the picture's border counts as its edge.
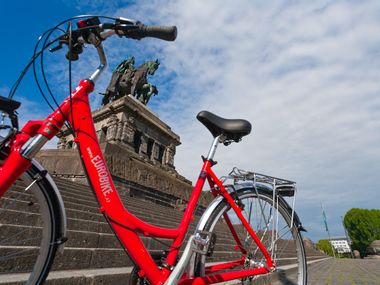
(59, 202)
(208, 212)
(296, 219)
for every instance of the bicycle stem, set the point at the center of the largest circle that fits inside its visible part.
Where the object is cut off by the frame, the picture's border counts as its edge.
(102, 66)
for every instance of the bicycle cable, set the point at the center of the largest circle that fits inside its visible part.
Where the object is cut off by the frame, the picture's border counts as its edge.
(70, 79)
(44, 47)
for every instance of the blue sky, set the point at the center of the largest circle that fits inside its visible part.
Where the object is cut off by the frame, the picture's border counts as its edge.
(306, 74)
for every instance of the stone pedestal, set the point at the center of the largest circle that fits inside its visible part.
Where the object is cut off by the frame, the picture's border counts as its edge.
(131, 125)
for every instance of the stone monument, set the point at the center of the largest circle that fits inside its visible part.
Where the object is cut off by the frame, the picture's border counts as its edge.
(128, 124)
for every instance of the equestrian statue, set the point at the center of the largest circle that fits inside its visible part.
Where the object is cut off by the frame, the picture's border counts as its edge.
(127, 80)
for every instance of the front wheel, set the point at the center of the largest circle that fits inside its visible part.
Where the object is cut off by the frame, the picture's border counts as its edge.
(29, 229)
(272, 223)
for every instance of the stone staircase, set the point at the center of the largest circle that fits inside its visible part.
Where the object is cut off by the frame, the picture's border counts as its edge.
(92, 254)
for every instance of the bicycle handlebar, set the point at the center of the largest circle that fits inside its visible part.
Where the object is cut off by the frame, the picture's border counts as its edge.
(139, 31)
(91, 31)
(128, 28)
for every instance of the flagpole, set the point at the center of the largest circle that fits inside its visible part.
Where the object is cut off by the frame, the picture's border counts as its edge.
(327, 229)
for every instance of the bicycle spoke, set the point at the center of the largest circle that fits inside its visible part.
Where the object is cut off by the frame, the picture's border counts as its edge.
(11, 238)
(6, 257)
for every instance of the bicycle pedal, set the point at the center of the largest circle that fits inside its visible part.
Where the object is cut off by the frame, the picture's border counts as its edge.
(204, 242)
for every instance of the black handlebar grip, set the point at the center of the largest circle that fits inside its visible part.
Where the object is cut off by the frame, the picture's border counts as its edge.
(166, 33)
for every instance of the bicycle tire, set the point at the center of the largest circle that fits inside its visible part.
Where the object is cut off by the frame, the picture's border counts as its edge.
(29, 229)
(288, 263)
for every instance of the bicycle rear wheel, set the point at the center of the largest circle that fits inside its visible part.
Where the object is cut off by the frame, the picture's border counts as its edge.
(29, 229)
(272, 223)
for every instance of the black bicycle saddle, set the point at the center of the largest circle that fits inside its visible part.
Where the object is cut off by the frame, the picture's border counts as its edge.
(233, 129)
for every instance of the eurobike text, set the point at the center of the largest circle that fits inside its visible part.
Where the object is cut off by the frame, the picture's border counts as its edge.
(103, 175)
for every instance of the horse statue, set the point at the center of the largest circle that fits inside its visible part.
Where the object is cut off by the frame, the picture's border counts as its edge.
(126, 79)
(120, 81)
(141, 89)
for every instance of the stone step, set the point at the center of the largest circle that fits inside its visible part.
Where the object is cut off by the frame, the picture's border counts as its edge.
(82, 258)
(26, 235)
(17, 217)
(19, 203)
(72, 258)
(112, 275)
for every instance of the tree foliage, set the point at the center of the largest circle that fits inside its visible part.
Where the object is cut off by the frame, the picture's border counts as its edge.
(325, 246)
(363, 227)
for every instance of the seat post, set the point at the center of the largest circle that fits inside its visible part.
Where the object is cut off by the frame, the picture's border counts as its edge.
(212, 150)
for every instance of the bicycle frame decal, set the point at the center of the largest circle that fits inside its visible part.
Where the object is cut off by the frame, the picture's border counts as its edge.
(104, 181)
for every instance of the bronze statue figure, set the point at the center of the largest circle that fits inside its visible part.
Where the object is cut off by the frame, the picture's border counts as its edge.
(126, 79)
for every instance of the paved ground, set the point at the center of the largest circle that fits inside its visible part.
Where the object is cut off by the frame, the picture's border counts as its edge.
(345, 272)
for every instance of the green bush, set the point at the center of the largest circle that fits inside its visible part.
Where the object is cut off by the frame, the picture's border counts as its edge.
(325, 246)
(363, 227)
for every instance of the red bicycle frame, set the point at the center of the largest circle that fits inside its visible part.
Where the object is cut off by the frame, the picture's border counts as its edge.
(126, 226)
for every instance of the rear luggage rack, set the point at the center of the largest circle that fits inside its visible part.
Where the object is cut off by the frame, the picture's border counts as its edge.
(282, 187)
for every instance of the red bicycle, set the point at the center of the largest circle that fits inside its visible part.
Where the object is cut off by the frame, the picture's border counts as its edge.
(252, 208)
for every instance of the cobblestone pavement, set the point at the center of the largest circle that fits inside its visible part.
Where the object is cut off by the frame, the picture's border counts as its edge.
(345, 272)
